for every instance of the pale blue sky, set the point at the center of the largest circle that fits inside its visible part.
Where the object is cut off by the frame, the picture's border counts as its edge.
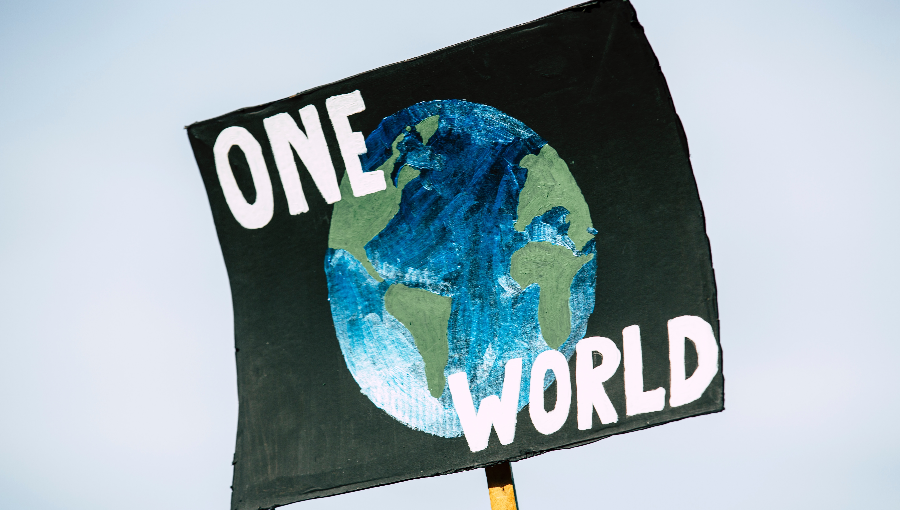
(117, 377)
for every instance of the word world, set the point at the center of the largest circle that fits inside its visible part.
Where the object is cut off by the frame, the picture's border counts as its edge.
(500, 412)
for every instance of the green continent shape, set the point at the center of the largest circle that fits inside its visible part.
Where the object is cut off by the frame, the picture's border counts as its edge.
(427, 128)
(550, 184)
(426, 315)
(552, 267)
(356, 220)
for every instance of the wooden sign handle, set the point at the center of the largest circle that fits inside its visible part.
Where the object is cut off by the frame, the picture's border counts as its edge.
(501, 487)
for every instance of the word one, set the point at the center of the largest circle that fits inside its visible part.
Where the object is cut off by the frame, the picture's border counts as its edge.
(284, 134)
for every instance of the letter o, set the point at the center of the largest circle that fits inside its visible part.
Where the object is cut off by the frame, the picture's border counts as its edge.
(257, 214)
(549, 422)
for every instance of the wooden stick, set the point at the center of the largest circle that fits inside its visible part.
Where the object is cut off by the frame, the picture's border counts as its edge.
(501, 486)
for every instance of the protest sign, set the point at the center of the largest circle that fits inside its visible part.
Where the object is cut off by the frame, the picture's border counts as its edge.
(474, 256)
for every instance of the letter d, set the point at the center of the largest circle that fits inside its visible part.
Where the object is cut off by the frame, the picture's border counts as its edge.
(688, 327)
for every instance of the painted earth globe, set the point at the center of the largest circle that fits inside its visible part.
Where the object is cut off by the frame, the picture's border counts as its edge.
(480, 250)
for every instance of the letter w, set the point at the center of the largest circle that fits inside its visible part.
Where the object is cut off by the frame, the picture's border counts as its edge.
(312, 148)
(493, 411)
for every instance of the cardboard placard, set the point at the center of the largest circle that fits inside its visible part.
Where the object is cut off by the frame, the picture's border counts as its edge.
(481, 254)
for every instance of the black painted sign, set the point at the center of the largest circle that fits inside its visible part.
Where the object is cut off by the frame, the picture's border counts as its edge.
(481, 254)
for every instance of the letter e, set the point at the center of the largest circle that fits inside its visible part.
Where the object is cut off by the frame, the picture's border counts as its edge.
(352, 143)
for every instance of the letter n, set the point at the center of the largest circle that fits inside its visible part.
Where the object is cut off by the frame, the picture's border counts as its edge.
(312, 148)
